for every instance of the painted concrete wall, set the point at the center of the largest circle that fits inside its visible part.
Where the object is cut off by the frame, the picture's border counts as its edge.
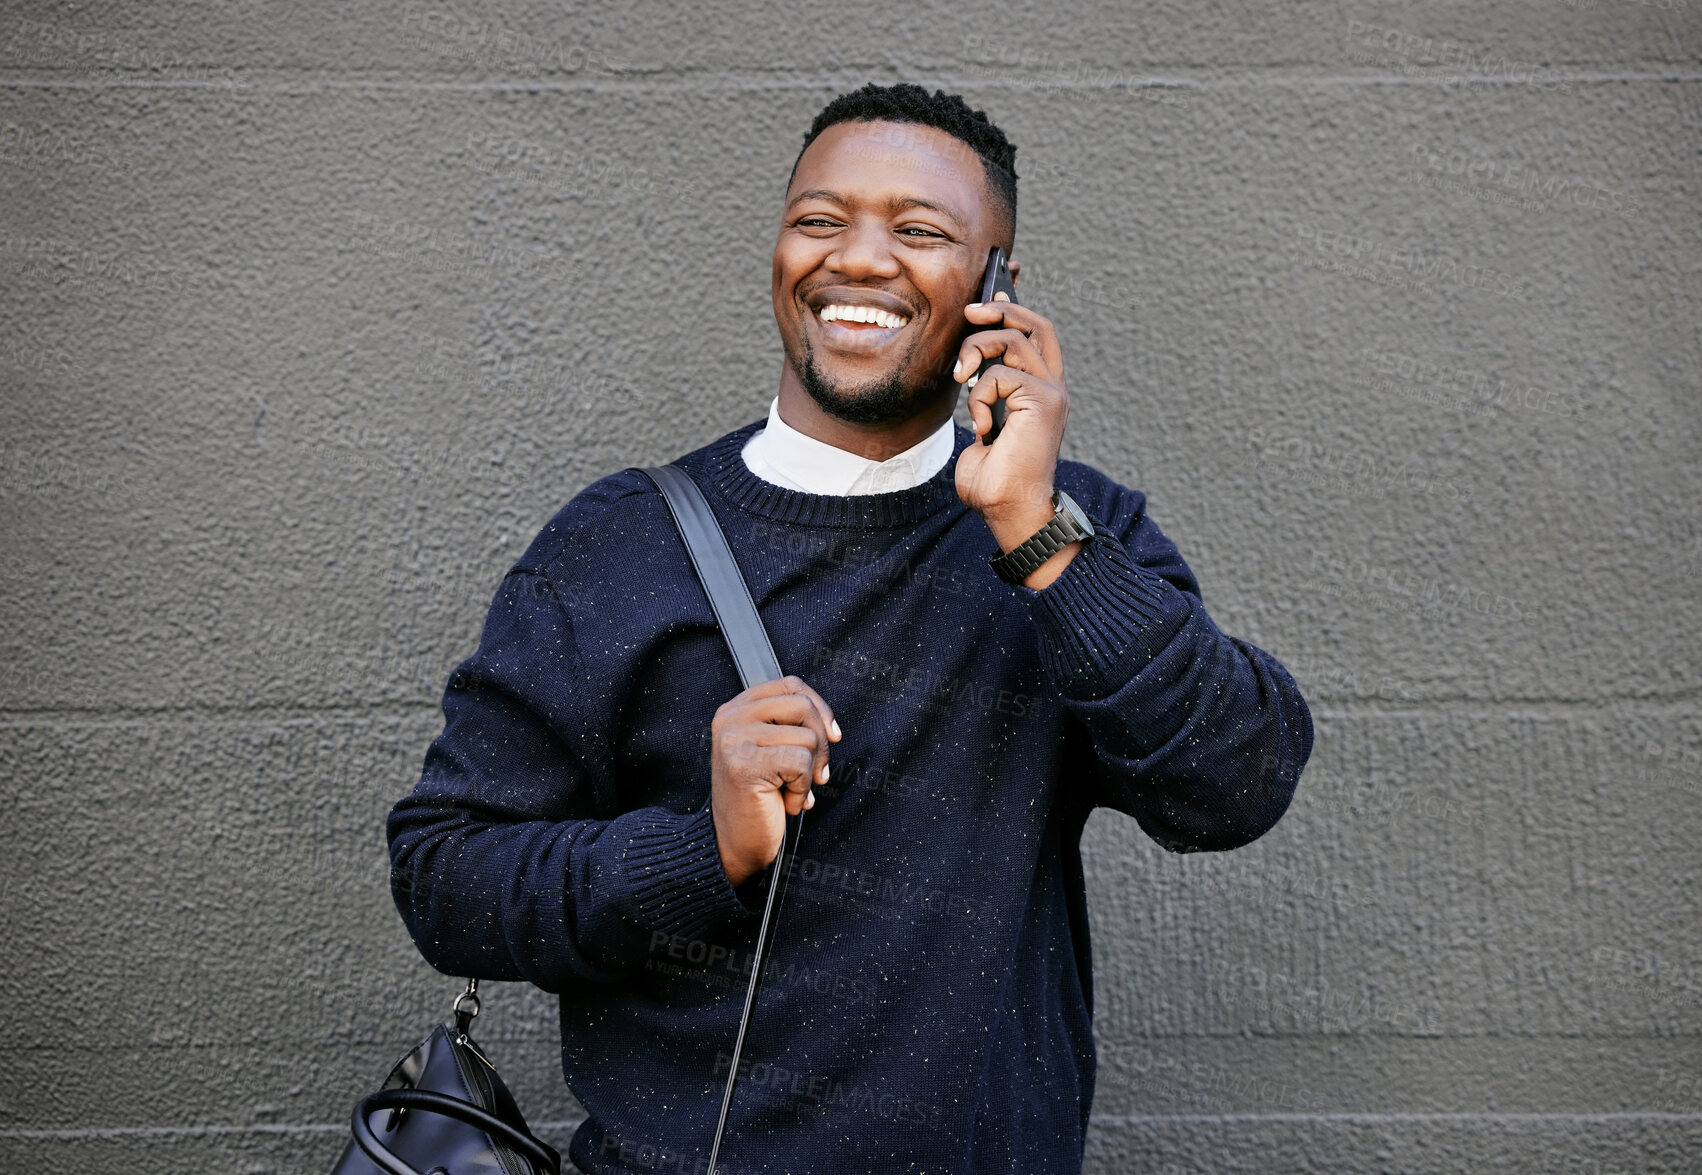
(312, 314)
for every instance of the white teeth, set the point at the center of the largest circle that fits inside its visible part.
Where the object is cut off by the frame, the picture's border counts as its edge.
(838, 312)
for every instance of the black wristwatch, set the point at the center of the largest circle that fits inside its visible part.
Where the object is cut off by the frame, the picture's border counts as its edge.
(1068, 524)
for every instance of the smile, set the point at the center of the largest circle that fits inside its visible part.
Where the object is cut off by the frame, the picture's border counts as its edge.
(860, 316)
(858, 330)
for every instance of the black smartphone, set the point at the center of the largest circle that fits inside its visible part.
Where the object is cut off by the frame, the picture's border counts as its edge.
(996, 278)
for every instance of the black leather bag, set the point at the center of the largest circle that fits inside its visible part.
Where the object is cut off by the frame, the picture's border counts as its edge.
(445, 1109)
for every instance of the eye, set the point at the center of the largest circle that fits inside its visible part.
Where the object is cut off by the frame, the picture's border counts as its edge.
(923, 231)
(815, 222)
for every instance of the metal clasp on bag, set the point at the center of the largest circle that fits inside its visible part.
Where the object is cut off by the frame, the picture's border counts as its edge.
(464, 1020)
(464, 1016)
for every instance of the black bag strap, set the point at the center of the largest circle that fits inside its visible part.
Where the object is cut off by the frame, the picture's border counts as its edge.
(541, 1155)
(720, 575)
(735, 611)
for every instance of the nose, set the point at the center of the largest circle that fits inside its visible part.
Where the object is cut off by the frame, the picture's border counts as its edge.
(864, 250)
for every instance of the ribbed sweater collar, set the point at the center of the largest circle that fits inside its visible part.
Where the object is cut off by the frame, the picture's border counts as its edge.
(727, 473)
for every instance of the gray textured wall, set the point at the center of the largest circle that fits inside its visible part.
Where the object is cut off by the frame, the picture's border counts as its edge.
(311, 314)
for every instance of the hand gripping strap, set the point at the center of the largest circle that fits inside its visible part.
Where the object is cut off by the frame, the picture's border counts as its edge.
(754, 655)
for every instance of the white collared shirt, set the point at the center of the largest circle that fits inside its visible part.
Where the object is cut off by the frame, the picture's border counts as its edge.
(786, 457)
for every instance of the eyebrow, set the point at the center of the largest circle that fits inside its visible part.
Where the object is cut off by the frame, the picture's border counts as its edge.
(893, 204)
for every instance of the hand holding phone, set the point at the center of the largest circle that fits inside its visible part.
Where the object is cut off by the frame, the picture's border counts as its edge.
(995, 279)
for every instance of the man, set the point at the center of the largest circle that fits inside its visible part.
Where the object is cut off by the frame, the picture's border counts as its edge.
(602, 811)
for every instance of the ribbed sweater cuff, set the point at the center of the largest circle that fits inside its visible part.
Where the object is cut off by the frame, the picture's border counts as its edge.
(1103, 620)
(673, 869)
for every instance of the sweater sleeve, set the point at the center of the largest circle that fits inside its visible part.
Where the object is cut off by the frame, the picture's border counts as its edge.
(1199, 736)
(508, 860)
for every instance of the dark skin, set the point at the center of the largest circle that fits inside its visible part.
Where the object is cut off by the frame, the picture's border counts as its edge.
(900, 217)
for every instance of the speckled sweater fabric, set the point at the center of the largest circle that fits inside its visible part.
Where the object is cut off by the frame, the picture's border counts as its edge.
(927, 1006)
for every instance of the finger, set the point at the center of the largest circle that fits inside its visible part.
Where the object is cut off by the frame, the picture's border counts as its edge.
(829, 724)
(1024, 318)
(1003, 312)
(764, 734)
(798, 714)
(794, 767)
(793, 803)
(1010, 347)
(797, 686)
(824, 723)
(975, 349)
(790, 772)
(782, 765)
(998, 383)
(785, 767)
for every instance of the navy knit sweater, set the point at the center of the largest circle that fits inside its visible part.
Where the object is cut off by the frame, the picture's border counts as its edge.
(927, 1006)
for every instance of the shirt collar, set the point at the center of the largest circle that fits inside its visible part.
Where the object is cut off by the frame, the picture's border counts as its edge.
(781, 454)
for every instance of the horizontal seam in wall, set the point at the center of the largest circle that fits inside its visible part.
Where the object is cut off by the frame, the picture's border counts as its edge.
(1101, 1120)
(547, 1039)
(1345, 708)
(73, 1134)
(1617, 1116)
(734, 82)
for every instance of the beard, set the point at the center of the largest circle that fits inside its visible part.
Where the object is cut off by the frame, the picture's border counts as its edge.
(884, 400)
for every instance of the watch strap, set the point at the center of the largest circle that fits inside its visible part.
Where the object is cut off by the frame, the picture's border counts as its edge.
(1019, 562)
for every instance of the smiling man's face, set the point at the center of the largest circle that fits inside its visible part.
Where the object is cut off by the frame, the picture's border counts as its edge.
(889, 222)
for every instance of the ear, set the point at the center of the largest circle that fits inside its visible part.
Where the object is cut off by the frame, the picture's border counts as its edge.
(1016, 268)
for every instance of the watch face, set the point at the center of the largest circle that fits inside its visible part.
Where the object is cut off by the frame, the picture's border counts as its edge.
(1076, 513)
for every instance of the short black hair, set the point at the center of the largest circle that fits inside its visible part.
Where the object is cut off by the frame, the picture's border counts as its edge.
(907, 102)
